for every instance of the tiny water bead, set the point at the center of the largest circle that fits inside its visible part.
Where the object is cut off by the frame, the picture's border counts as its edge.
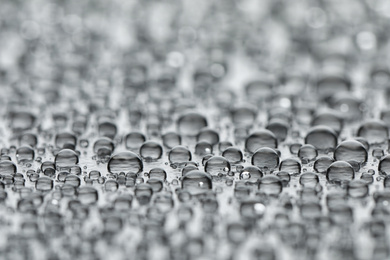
(340, 171)
(179, 155)
(322, 138)
(196, 182)
(217, 164)
(266, 158)
(351, 150)
(259, 139)
(375, 131)
(151, 150)
(125, 162)
(191, 123)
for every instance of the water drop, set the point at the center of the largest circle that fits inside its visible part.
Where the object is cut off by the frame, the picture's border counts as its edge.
(290, 165)
(322, 164)
(179, 155)
(322, 137)
(266, 159)
(125, 162)
(375, 132)
(151, 150)
(340, 171)
(270, 185)
(196, 182)
(233, 155)
(307, 153)
(351, 150)
(191, 123)
(259, 139)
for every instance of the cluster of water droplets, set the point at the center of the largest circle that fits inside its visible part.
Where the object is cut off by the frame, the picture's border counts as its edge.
(194, 130)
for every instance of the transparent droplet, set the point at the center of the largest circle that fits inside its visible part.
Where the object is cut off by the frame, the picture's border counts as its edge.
(259, 139)
(270, 185)
(151, 150)
(191, 123)
(125, 162)
(357, 188)
(322, 138)
(66, 158)
(290, 165)
(309, 179)
(208, 135)
(179, 155)
(340, 171)
(266, 159)
(233, 155)
(196, 182)
(171, 139)
(307, 153)
(217, 164)
(322, 164)
(375, 132)
(44, 184)
(134, 140)
(25, 154)
(351, 150)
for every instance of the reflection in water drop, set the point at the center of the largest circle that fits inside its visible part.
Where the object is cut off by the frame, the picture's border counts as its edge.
(270, 185)
(259, 139)
(217, 164)
(322, 137)
(340, 171)
(191, 123)
(266, 159)
(351, 151)
(125, 162)
(196, 182)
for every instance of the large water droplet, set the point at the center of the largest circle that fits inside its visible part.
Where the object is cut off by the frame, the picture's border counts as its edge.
(125, 162)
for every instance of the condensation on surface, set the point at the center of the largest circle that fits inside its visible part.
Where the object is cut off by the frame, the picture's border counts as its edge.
(236, 129)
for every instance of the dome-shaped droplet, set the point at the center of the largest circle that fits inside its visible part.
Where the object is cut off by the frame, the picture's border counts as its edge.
(125, 162)
(179, 154)
(191, 123)
(266, 159)
(72, 180)
(330, 119)
(103, 143)
(340, 171)
(384, 165)
(279, 128)
(284, 177)
(203, 148)
(158, 173)
(270, 185)
(44, 184)
(87, 195)
(151, 150)
(107, 129)
(7, 168)
(64, 139)
(171, 140)
(134, 140)
(307, 153)
(217, 164)
(243, 116)
(25, 154)
(28, 139)
(322, 164)
(208, 135)
(351, 150)
(357, 188)
(251, 172)
(309, 179)
(258, 89)
(66, 158)
(290, 165)
(375, 132)
(233, 154)
(196, 182)
(21, 120)
(322, 137)
(259, 139)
